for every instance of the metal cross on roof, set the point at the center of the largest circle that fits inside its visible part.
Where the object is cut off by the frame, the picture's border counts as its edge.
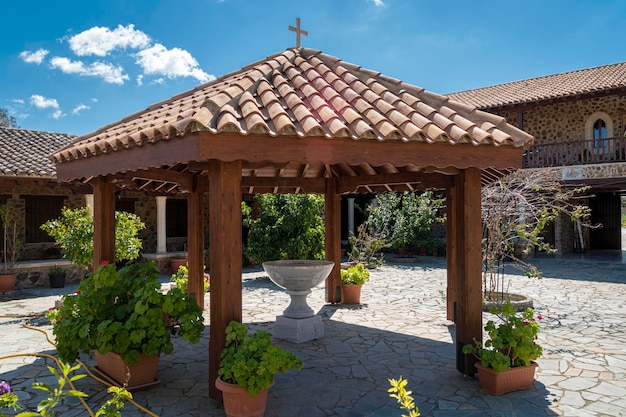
(298, 31)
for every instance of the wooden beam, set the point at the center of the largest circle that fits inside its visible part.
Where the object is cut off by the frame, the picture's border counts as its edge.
(310, 185)
(195, 247)
(438, 181)
(469, 267)
(201, 146)
(103, 221)
(452, 198)
(183, 179)
(151, 155)
(284, 149)
(225, 243)
(332, 238)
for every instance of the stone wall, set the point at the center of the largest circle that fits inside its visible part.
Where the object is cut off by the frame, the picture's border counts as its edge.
(565, 121)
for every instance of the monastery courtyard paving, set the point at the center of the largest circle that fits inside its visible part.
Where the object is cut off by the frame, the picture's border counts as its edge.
(399, 330)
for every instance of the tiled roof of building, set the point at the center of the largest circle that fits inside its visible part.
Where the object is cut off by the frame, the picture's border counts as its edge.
(304, 93)
(567, 84)
(25, 153)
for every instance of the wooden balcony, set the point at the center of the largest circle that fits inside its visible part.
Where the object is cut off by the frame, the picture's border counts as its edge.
(576, 153)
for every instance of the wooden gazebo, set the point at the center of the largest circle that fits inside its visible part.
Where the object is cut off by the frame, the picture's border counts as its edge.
(299, 121)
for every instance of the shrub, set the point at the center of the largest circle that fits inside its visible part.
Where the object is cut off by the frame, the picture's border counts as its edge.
(288, 226)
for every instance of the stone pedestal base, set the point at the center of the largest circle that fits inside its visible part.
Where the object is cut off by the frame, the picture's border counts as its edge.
(298, 330)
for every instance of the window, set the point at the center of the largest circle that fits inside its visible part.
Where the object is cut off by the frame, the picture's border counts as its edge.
(599, 133)
(40, 209)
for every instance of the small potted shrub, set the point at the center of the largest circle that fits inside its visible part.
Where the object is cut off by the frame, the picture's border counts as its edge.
(247, 368)
(181, 278)
(352, 279)
(507, 357)
(57, 277)
(122, 315)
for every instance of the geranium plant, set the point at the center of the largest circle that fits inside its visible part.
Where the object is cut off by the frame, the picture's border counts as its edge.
(511, 343)
(355, 275)
(181, 278)
(252, 361)
(123, 311)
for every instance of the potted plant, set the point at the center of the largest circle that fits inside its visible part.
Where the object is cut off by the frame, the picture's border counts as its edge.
(181, 278)
(57, 277)
(73, 233)
(247, 368)
(10, 249)
(352, 279)
(507, 357)
(122, 314)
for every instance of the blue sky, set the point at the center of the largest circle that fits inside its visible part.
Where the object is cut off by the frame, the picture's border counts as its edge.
(74, 66)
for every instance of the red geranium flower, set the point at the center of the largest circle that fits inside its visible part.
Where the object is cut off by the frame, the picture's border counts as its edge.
(104, 262)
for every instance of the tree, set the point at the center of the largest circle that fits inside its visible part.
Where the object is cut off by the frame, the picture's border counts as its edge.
(73, 232)
(515, 211)
(6, 120)
(405, 219)
(288, 226)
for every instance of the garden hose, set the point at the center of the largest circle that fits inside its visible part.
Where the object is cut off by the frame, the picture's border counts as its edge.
(58, 363)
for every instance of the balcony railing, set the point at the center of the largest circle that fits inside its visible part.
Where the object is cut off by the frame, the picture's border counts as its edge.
(576, 153)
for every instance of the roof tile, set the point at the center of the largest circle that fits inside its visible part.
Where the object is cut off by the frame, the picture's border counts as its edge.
(306, 93)
(562, 85)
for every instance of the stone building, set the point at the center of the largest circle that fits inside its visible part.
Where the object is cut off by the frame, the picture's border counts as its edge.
(28, 186)
(578, 119)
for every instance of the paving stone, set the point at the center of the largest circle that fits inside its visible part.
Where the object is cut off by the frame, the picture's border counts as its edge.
(399, 330)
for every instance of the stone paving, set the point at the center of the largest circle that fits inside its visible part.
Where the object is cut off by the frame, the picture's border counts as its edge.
(400, 329)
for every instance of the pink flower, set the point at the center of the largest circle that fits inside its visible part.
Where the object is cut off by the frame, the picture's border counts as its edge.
(77, 292)
(539, 318)
(104, 262)
(526, 323)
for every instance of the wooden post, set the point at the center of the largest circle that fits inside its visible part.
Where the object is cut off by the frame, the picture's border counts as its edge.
(332, 238)
(469, 267)
(195, 247)
(452, 199)
(103, 221)
(225, 262)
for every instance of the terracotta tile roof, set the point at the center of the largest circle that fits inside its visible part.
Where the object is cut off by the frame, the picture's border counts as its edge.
(573, 83)
(24, 153)
(304, 93)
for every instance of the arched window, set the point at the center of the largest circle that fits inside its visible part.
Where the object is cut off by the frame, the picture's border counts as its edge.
(599, 133)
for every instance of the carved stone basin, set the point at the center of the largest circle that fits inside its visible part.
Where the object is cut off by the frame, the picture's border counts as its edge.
(298, 275)
(298, 323)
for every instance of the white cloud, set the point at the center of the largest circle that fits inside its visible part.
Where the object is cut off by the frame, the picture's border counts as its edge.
(100, 41)
(108, 72)
(140, 80)
(76, 110)
(18, 101)
(57, 114)
(172, 63)
(42, 102)
(36, 57)
(379, 3)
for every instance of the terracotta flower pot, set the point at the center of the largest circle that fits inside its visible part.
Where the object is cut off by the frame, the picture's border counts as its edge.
(237, 402)
(7, 283)
(351, 293)
(176, 263)
(143, 372)
(513, 379)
